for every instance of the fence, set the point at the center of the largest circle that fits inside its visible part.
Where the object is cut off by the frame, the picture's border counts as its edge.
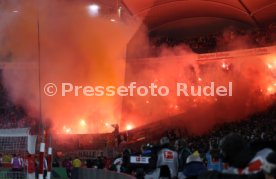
(8, 174)
(85, 173)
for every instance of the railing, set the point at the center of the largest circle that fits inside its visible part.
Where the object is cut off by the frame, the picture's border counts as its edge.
(8, 174)
(85, 173)
(60, 173)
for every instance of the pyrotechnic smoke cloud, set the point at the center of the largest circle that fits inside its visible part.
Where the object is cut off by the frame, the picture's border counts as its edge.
(75, 48)
(250, 76)
(86, 50)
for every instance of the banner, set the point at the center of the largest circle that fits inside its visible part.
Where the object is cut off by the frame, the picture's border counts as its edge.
(237, 53)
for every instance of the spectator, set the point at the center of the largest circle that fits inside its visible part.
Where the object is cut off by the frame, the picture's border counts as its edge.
(241, 158)
(167, 156)
(55, 162)
(30, 164)
(89, 163)
(45, 168)
(67, 164)
(194, 167)
(214, 163)
(16, 165)
(183, 153)
(118, 163)
(270, 166)
(100, 163)
(76, 163)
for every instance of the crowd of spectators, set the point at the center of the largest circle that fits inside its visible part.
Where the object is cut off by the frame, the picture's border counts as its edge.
(258, 132)
(222, 41)
(258, 127)
(200, 156)
(12, 115)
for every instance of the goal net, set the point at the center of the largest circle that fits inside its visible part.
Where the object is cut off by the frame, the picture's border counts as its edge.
(17, 141)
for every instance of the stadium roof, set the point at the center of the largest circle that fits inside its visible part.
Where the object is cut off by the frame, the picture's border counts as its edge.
(173, 15)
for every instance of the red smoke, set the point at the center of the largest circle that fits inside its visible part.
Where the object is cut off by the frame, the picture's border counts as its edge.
(250, 76)
(75, 48)
(84, 50)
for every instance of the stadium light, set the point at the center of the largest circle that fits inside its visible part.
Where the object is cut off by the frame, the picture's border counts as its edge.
(93, 10)
(120, 12)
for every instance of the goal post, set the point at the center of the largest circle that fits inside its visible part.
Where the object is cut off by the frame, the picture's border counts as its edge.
(17, 141)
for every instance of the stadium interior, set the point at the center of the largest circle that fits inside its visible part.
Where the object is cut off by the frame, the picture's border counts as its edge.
(49, 46)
